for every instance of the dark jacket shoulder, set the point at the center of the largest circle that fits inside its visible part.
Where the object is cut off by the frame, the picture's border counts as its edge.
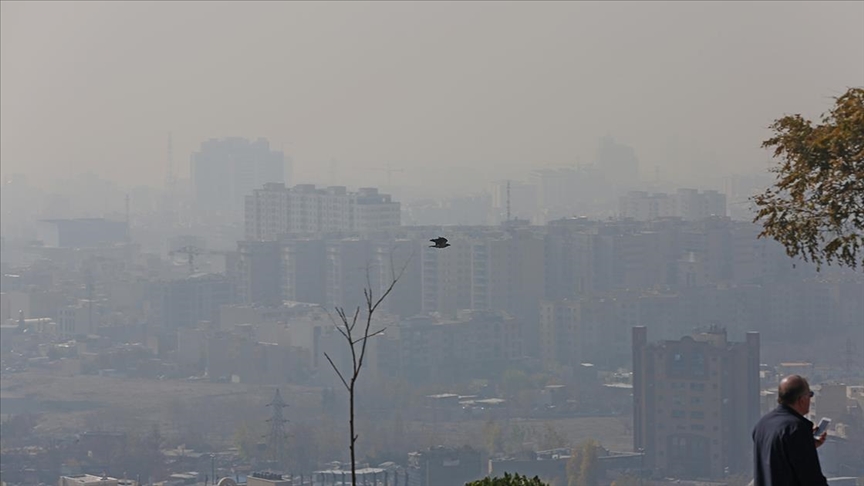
(783, 418)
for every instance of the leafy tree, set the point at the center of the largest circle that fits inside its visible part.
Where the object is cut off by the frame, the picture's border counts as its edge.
(573, 466)
(815, 209)
(246, 439)
(508, 480)
(588, 472)
(582, 468)
(492, 436)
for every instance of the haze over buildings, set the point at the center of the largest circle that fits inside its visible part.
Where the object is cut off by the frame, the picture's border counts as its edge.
(490, 88)
(194, 192)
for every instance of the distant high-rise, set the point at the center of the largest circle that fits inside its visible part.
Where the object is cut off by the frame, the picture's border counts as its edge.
(687, 204)
(619, 165)
(224, 171)
(276, 210)
(695, 401)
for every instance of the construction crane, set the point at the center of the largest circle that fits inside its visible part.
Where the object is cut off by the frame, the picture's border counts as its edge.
(390, 170)
(191, 252)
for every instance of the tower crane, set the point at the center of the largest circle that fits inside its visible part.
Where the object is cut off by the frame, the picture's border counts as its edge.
(389, 170)
(191, 252)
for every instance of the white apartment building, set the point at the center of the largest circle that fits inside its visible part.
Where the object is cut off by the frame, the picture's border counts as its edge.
(687, 204)
(276, 210)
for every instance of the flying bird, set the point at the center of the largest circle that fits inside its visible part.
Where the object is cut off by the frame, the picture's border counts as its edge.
(439, 242)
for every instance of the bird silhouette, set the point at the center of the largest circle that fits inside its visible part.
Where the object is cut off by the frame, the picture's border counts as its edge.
(439, 242)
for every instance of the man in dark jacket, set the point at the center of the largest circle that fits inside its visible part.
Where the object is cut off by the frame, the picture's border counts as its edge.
(784, 449)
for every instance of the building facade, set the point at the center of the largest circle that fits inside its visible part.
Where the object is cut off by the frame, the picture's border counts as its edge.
(695, 401)
(224, 171)
(276, 210)
(687, 204)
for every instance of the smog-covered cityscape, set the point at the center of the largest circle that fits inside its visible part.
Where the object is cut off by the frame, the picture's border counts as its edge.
(431, 243)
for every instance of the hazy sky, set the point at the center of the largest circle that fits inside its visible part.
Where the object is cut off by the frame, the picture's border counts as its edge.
(422, 86)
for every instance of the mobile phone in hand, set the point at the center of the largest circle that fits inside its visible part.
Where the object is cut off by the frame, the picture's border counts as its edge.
(822, 427)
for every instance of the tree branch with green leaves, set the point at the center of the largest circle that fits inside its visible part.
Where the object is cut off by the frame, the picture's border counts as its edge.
(815, 209)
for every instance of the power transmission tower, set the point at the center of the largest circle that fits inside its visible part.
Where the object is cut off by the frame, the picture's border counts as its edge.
(277, 438)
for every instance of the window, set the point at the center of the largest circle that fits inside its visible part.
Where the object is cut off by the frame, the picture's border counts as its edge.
(697, 364)
(678, 414)
(697, 415)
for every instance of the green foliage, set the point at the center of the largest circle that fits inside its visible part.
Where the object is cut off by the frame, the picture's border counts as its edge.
(589, 470)
(583, 467)
(815, 209)
(573, 466)
(508, 480)
(246, 439)
(493, 439)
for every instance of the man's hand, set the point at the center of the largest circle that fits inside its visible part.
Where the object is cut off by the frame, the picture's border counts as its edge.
(821, 439)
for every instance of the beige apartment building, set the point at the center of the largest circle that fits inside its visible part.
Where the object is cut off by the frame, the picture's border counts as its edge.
(695, 401)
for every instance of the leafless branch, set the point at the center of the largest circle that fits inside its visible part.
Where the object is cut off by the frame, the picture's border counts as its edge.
(380, 331)
(358, 356)
(337, 371)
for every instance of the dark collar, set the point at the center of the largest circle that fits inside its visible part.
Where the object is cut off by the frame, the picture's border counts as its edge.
(792, 411)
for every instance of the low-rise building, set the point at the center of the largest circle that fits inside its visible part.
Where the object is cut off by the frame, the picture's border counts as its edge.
(87, 480)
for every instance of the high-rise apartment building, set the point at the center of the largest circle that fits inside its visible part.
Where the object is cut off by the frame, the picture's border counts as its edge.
(347, 262)
(447, 278)
(276, 210)
(398, 258)
(618, 164)
(471, 344)
(687, 204)
(224, 171)
(507, 273)
(302, 268)
(695, 401)
(260, 272)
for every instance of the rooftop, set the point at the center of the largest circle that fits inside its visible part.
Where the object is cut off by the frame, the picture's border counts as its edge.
(89, 478)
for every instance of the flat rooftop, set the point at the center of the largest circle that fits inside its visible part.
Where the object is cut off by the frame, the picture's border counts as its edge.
(89, 478)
